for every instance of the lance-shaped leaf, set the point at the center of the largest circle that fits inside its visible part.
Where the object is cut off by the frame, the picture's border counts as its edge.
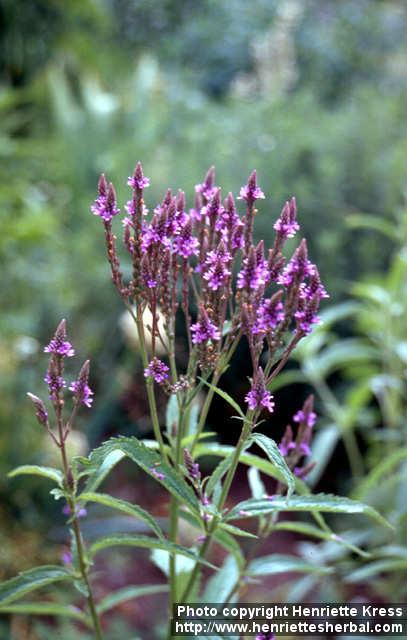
(144, 542)
(313, 503)
(226, 397)
(150, 461)
(30, 580)
(123, 506)
(273, 453)
(34, 470)
(221, 583)
(315, 532)
(46, 609)
(280, 563)
(388, 565)
(129, 593)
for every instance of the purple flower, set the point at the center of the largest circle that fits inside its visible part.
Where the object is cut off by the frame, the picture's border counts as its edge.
(41, 412)
(137, 180)
(157, 370)
(308, 418)
(215, 270)
(105, 205)
(214, 207)
(269, 314)
(157, 474)
(287, 443)
(55, 382)
(66, 557)
(251, 192)
(298, 268)
(59, 345)
(258, 397)
(80, 388)
(192, 467)
(306, 315)
(80, 512)
(287, 225)
(185, 244)
(204, 329)
(207, 187)
(254, 273)
(156, 232)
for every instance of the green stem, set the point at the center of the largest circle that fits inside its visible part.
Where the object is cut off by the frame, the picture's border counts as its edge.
(77, 533)
(222, 499)
(149, 382)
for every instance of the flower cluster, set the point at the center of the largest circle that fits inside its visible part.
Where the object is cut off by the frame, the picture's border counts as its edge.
(185, 261)
(296, 449)
(60, 348)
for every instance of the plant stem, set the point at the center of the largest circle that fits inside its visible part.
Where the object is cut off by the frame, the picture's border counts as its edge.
(247, 426)
(76, 529)
(149, 382)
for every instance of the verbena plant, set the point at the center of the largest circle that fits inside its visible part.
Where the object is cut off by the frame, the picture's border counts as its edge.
(203, 264)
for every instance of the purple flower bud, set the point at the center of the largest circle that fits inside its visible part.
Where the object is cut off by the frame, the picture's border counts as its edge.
(207, 187)
(269, 314)
(192, 467)
(137, 180)
(308, 419)
(41, 412)
(185, 243)
(59, 345)
(157, 370)
(287, 225)
(53, 378)
(287, 443)
(254, 273)
(215, 270)
(105, 205)
(204, 329)
(298, 268)
(251, 192)
(259, 397)
(80, 388)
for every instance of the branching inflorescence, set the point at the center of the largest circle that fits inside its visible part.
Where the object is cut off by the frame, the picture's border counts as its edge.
(201, 265)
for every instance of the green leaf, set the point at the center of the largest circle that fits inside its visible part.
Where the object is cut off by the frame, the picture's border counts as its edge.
(237, 531)
(34, 470)
(150, 461)
(202, 436)
(313, 503)
(256, 484)
(385, 466)
(280, 563)
(123, 506)
(273, 453)
(106, 464)
(368, 221)
(161, 559)
(143, 542)
(314, 532)
(226, 397)
(31, 580)
(129, 593)
(46, 609)
(221, 535)
(391, 565)
(221, 583)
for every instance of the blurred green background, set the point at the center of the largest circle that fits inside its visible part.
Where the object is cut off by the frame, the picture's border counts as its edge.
(311, 94)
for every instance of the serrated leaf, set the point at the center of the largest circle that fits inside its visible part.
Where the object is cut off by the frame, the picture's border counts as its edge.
(46, 609)
(103, 469)
(273, 453)
(30, 580)
(237, 531)
(129, 593)
(123, 506)
(226, 397)
(280, 563)
(34, 470)
(150, 461)
(312, 503)
(144, 542)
